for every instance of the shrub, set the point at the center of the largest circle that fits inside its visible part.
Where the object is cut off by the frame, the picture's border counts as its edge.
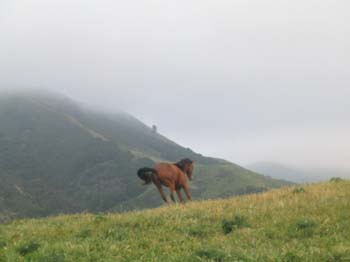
(28, 248)
(228, 225)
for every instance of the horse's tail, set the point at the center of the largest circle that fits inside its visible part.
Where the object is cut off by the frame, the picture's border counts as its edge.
(146, 174)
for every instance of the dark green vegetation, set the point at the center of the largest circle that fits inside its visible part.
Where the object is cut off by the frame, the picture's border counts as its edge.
(59, 157)
(228, 225)
(278, 225)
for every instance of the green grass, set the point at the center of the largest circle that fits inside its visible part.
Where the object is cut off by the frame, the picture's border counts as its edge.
(279, 225)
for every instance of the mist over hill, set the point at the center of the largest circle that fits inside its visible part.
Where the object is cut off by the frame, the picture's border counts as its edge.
(297, 174)
(57, 156)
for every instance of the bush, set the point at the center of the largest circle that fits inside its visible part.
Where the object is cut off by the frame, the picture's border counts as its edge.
(28, 248)
(228, 225)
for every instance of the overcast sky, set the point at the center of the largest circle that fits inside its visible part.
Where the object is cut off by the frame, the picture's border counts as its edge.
(246, 80)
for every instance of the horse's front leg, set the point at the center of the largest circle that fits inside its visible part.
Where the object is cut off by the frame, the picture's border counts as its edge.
(160, 189)
(172, 190)
(187, 191)
(178, 192)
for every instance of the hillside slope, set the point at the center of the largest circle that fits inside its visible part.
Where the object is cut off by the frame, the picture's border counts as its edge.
(289, 224)
(57, 156)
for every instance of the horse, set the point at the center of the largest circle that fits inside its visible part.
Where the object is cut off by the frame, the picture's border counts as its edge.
(171, 175)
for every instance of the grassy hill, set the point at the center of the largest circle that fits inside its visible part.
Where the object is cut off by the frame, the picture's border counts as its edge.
(57, 156)
(309, 223)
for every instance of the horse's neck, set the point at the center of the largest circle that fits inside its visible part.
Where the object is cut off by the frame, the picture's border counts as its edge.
(181, 167)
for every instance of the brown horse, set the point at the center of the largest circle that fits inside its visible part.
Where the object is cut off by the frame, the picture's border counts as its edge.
(170, 175)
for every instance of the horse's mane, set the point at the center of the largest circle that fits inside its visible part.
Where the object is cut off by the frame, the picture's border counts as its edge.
(182, 163)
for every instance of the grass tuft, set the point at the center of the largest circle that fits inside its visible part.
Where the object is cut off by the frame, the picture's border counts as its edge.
(116, 234)
(99, 218)
(52, 257)
(2, 244)
(228, 225)
(211, 254)
(198, 231)
(290, 256)
(28, 248)
(84, 233)
(302, 228)
(298, 190)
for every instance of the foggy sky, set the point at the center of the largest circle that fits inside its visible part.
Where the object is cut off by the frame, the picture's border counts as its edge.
(246, 80)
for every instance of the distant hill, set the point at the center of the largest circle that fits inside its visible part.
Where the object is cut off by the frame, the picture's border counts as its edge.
(279, 171)
(309, 223)
(57, 156)
(297, 175)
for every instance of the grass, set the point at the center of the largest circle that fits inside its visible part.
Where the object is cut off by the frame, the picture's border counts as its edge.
(278, 225)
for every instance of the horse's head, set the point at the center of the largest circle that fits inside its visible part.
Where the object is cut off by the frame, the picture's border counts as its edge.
(189, 170)
(186, 165)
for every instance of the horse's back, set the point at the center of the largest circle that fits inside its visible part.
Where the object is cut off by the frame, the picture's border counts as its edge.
(166, 169)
